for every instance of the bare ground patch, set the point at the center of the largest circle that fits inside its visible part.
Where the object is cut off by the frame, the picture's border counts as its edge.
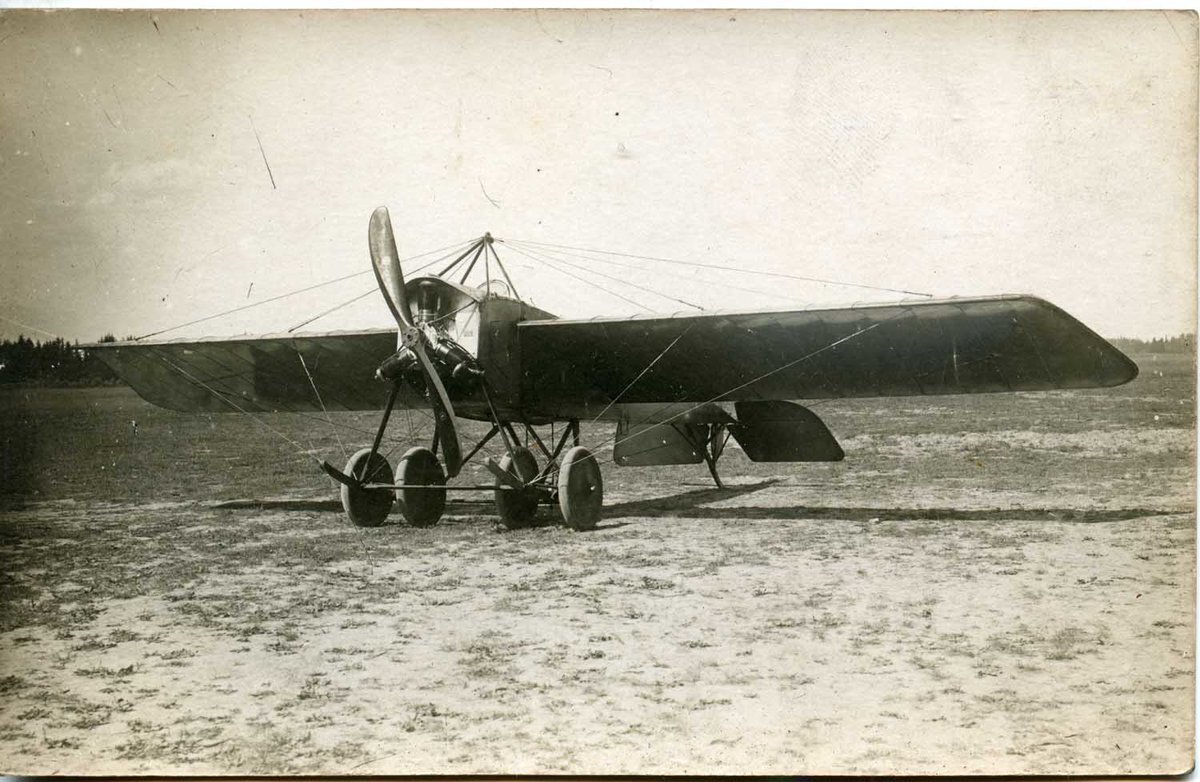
(656, 644)
(1012, 596)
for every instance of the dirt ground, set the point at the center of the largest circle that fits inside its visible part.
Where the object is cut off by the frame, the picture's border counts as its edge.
(998, 584)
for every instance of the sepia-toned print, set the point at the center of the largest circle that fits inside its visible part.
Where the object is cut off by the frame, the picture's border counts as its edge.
(597, 392)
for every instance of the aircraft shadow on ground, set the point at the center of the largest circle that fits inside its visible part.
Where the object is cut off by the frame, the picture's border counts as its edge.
(690, 501)
(691, 504)
(454, 507)
(693, 498)
(295, 505)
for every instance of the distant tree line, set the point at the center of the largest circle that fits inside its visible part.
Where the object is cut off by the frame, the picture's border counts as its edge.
(53, 363)
(1181, 343)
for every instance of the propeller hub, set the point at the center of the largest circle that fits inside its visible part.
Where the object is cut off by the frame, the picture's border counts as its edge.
(410, 337)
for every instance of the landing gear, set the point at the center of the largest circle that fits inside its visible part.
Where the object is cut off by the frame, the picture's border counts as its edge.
(420, 501)
(367, 507)
(369, 488)
(580, 489)
(574, 481)
(712, 445)
(427, 358)
(517, 507)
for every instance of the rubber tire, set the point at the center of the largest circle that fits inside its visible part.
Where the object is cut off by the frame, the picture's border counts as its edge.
(580, 489)
(421, 507)
(368, 507)
(517, 508)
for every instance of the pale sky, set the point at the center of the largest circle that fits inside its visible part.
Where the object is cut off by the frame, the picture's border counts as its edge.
(948, 153)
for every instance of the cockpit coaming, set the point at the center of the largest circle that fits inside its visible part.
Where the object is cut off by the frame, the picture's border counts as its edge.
(482, 321)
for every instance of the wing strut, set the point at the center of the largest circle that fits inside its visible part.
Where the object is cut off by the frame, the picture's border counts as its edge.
(474, 259)
(500, 263)
(474, 247)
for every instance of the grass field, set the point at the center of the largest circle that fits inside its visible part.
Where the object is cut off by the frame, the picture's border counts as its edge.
(999, 584)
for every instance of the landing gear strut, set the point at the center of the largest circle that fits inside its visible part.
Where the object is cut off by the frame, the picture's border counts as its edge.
(711, 448)
(574, 482)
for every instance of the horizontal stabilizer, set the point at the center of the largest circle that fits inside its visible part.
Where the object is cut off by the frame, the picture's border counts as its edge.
(649, 435)
(645, 445)
(783, 432)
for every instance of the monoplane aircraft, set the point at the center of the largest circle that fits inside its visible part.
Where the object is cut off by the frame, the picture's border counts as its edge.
(677, 387)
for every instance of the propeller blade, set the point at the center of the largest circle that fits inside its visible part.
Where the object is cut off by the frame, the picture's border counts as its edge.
(443, 412)
(386, 262)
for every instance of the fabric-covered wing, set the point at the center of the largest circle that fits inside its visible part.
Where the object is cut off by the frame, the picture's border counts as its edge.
(955, 346)
(256, 374)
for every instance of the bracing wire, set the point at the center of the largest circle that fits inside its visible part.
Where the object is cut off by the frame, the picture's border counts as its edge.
(375, 288)
(729, 268)
(615, 442)
(649, 366)
(446, 252)
(408, 414)
(321, 402)
(300, 449)
(32, 328)
(335, 308)
(248, 306)
(296, 293)
(609, 262)
(343, 425)
(546, 256)
(369, 291)
(555, 267)
(551, 258)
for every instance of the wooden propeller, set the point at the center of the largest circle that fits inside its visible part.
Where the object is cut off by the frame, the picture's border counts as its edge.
(386, 263)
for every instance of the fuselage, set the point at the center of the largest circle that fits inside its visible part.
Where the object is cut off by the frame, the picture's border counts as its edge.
(483, 321)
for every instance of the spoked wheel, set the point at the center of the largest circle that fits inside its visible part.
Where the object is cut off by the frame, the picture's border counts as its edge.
(580, 489)
(421, 507)
(367, 507)
(517, 507)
